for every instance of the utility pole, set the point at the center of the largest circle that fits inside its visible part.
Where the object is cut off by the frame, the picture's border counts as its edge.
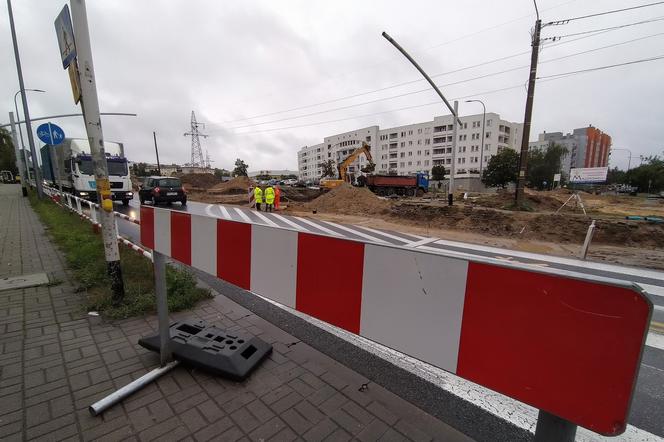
(26, 111)
(523, 160)
(92, 119)
(20, 166)
(454, 110)
(154, 135)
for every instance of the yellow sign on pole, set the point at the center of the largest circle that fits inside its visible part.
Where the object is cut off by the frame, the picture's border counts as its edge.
(74, 80)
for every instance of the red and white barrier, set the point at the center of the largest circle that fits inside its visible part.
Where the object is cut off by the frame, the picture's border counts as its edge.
(564, 343)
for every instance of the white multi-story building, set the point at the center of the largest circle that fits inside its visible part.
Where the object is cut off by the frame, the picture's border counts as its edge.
(417, 147)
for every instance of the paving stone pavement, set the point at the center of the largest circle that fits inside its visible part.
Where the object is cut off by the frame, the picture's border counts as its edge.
(54, 363)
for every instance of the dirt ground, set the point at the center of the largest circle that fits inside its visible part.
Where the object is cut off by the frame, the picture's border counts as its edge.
(484, 221)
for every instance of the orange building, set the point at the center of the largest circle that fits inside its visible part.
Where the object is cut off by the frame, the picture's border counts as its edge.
(597, 148)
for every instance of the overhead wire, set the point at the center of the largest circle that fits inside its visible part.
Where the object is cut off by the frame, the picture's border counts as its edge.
(599, 68)
(567, 20)
(405, 83)
(610, 28)
(350, 106)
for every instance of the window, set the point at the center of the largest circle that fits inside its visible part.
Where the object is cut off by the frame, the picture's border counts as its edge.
(402, 164)
(449, 139)
(410, 143)
(488, 122)
(487, 134)
(449, 150)
(419, 152)
(403, 154)
(368, 138)
(403, 143)
(384, 166)
(427, 141)
(426, 162)
(419, 131)
(393, 145)
(419, 163)
(438, 151)
(403, 134)
(393, 165)
(438, 129)
(410, 163)
(465, 125)
(419, 142)
(448, 161)
(450, 127)
(410, 153)
(410, 132)
(383, 157)
(487, 146)
(439, 140)
(393, 135)
(393, 155)
(329, 154)
(426, 152)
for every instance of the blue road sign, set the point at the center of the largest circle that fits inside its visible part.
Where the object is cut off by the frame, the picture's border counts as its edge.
(49, 133)
(65, 33)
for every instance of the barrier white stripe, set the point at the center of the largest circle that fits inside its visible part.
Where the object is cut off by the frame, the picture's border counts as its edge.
(420, 242)
(266, 219)
(243, 215)
(204, 244)
(224, 212)
(433, 313)
(162, 231)
(357, 233)
(274, 263)
(319, 227)
(290, 223)
(387, 235)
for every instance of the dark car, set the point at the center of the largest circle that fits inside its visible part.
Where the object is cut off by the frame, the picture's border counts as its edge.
(158, 189)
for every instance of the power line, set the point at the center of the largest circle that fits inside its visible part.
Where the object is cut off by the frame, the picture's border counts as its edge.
(565, 21)
(360, 94)
(604, 29)
(350, 106)
(599, 68)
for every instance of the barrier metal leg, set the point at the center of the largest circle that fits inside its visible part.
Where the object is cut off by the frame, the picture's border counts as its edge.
(589, 238)
(93, 213)
(78, 205)
(167, 364)
(552, 428)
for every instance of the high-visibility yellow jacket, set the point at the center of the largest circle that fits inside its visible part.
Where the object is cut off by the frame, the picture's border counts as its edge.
(258, 195)
(269, 195)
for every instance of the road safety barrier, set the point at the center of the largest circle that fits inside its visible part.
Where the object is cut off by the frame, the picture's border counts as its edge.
(565, 343)
(76, 207)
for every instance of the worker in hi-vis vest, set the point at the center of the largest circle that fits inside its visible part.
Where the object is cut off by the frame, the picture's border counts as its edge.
(269, 199)
(258, 197)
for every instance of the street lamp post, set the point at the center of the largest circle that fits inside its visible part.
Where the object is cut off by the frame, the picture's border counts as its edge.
(483, 124)
(629, 160)
(20, 132)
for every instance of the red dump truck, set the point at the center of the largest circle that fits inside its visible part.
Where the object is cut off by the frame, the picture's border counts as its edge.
(398, 184)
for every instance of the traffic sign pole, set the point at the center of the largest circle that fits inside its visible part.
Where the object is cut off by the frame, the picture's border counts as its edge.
(90, 107)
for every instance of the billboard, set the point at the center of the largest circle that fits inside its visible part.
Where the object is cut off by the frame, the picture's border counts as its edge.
(588, 175)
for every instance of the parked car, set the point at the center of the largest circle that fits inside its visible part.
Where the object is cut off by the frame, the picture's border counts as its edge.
(158, 189)
(290, 182)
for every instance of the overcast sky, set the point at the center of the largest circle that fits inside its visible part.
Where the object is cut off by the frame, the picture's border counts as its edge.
(232, 60)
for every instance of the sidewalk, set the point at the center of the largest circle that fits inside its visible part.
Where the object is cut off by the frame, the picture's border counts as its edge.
(54, 364)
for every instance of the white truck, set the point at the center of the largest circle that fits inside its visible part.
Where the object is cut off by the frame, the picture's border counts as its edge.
(69, 167)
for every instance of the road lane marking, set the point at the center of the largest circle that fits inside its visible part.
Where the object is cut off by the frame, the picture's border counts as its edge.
(655, 340)
(266, 219)
(243, 215)
(659, 307)
(356, 233)
(319, 227)
(290, 223)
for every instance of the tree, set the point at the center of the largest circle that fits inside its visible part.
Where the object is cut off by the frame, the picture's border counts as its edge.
(502, 169)
(7, 153)
(543, 165)
(649, 176)
(220, 173)
(329, 169)
(616, 176)
(240, 168)
(438, 173)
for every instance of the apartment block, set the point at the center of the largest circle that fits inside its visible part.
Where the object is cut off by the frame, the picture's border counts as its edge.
(417, 147)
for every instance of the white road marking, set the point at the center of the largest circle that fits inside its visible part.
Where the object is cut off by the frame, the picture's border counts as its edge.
(290, 223)
(224, 212)
(319, 227)
(243, 215)
(388, 235)
(653, 289)
(659, 307)
(421, 242)
(357, 233)
(266, 219)
(654, 368)
(655, 340)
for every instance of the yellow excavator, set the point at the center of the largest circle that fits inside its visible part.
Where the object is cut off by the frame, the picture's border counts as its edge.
(327, 183)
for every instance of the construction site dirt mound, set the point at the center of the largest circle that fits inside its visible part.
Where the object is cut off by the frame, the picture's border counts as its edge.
(562, 228)
(199, 180)
(236, 186)
(299, 194)
(536, 201)
(350, 200)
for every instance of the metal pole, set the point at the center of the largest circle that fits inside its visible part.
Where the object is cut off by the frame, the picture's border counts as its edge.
(26, 111)
(162, 306)
(589, 238)
(129, 389)
(552, 428)
(20, 132)
(455, 124)
(154, 135)
(523, 160)
(90, 107)
(19, 164)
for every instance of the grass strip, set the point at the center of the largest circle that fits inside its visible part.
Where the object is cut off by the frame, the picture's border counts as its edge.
(84, 252)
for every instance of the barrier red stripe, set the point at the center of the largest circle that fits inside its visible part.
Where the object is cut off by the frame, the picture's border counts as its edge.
(523, 333)
(181, 237)
(234, 252)
(147, 227)
(329, 280)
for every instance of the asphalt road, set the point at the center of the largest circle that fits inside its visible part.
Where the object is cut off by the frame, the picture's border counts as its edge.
(648, 403)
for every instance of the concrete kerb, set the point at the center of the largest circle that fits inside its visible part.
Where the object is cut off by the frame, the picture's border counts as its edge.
(449, 408)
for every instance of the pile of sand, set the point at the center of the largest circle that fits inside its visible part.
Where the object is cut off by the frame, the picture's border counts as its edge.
(350, 200)
(236, 186)
(199, 180)
(536, 201)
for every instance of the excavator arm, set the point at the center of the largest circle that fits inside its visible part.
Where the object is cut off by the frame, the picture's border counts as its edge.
(343, 167)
